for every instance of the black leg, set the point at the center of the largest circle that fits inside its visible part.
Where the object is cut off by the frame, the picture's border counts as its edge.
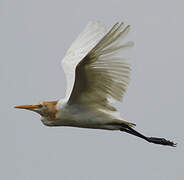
(154, 140)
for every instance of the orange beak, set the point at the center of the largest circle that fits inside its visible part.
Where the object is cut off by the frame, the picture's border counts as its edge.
(28, 107)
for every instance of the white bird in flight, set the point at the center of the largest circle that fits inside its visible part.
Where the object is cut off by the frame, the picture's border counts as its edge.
(95, 76)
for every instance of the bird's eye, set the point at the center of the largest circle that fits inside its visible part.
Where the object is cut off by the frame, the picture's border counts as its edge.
(40, 105)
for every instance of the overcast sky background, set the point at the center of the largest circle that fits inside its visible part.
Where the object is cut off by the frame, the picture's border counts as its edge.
(34, 36)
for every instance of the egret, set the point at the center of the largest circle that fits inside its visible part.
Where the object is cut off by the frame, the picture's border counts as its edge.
(96, 77)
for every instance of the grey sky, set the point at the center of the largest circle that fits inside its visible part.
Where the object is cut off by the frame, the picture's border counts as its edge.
(34, 36)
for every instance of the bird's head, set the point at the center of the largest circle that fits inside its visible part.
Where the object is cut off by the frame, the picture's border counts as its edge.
(46, 109)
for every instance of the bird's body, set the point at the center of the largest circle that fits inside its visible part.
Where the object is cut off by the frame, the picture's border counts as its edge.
(81, 116)
(95, 75)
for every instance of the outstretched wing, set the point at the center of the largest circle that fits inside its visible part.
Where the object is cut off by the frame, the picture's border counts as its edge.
(84, 43)
(101, 75)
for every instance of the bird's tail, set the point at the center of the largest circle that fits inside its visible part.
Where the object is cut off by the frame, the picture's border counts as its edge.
(129, 124)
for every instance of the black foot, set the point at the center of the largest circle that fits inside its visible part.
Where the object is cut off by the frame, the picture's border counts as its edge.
(161, 141)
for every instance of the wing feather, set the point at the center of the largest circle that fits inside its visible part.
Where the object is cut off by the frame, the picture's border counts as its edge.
(86, 40)
(101, 75)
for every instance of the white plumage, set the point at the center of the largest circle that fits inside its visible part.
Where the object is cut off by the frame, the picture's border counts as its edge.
(95, 76)
(92, 68)
(83, 44)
